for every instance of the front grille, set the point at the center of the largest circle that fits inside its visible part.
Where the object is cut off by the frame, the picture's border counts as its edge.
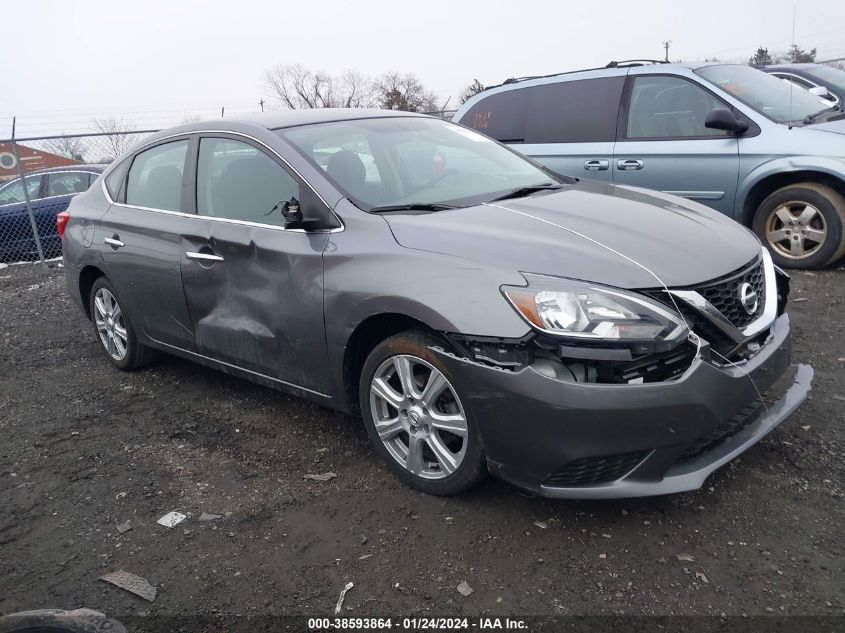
(658, 367)
(723, 431)
(589, 471)
(724, 294)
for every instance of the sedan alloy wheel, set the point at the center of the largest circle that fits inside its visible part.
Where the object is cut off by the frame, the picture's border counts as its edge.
(418, 417)
(111, 325)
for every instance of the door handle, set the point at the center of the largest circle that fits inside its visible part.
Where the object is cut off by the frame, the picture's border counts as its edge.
(629, 164)
(203, 257)
(596, 165)
(114, 242)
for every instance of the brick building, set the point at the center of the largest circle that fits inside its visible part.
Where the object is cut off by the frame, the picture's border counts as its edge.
(31, 158)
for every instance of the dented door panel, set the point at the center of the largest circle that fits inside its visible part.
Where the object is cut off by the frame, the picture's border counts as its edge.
(260, 307)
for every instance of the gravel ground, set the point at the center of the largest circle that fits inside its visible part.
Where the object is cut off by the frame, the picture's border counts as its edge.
(87, 448)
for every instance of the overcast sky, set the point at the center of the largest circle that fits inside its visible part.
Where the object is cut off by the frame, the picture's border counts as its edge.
(154, 61)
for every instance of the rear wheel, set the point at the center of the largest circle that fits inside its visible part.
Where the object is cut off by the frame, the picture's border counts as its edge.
(802, 225)
(114, 329)
(415, 417)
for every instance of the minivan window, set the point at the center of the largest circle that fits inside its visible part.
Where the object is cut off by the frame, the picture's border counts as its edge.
(240, 182)
(420, 160)
(578, 111)
(155, 178)
(582, 111)
(767, 94)
(500, 116)
(664, 107)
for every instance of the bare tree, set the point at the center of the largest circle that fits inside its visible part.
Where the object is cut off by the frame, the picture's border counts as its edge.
(295, 86)
(117, 138)
(403, 92)
(355, 90)
(69, 147)
(191, 118)
(471, 90)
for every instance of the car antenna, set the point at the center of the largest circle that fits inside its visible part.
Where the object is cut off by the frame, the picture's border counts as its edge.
(791, 83)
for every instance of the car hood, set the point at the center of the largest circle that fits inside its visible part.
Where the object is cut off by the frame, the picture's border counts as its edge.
(620, 236)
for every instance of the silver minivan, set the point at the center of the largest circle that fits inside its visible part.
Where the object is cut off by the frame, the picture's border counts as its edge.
(727, 135)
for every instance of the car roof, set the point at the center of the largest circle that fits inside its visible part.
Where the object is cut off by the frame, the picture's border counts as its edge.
(805, 66)
(95, 167)
(291, 118)
(277, 120)
(614, 67)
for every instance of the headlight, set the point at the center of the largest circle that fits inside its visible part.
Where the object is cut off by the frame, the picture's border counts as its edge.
(589, 311)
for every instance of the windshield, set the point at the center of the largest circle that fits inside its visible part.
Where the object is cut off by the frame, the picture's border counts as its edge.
(830, 76)
(396, 161)
(765, 93)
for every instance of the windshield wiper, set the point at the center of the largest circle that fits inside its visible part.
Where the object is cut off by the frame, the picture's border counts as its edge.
(812, 117)
(413, 206)
(519, 192)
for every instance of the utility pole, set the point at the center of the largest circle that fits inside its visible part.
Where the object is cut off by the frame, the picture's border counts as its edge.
(666, 46)
(261, 103)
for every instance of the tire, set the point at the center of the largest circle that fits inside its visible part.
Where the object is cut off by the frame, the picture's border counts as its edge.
(448, 462)
(109, 321)
(813, 209)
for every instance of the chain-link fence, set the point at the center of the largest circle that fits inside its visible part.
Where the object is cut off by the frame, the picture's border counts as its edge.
(39, 175)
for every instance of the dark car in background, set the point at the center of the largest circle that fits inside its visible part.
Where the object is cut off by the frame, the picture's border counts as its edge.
(576, 338)
(50, 192)
(823, 81)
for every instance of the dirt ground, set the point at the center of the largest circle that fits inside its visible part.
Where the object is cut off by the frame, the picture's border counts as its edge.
(86, 448)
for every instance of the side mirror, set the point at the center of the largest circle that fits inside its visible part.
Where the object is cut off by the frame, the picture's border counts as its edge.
(308, 212)
(821, 91)
(291, 212)
(724, 119)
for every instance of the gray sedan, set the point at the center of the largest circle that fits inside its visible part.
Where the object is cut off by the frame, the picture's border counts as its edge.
(478, 311)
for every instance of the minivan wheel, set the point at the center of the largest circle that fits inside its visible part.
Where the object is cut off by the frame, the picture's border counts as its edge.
(802, 225)
(415, 417)
(114, 329)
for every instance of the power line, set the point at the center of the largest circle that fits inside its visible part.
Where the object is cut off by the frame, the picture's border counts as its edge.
(803, 36)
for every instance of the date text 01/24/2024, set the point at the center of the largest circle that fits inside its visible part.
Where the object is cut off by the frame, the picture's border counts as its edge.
(416, 624)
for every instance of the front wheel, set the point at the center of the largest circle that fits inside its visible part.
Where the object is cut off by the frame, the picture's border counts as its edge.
(802, 225)
(415, 417)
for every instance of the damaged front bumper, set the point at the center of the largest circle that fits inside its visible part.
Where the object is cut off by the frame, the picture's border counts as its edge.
(590, 440)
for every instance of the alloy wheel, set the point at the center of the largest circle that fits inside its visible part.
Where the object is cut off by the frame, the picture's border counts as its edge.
(111, 325)
(796, 230)
(418, 417)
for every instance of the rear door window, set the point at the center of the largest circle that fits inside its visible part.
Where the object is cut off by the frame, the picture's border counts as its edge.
(155, 178)
(581, 111)
(115, 181)
(238, 181)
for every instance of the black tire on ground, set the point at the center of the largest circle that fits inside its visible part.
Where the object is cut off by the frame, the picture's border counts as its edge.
(137, 355)
(830, 205)
(473, 467)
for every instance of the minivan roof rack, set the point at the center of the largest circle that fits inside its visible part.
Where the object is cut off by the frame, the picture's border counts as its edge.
(614, 64)
(635, 62)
